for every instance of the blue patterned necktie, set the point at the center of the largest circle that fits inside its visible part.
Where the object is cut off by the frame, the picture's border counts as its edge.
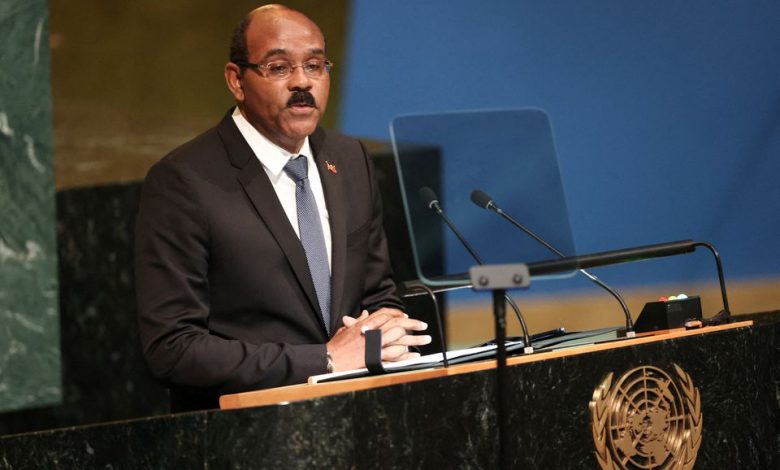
(312, 238)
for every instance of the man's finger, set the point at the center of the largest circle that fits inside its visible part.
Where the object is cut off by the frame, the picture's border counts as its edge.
(407, 355)
(392, 353)
(394, 312)
(411, 340)
(379, 319)
(408, 324)
(349, 321)
(393, 330)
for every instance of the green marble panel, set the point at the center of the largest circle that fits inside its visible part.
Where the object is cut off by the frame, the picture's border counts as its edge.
(29, 325)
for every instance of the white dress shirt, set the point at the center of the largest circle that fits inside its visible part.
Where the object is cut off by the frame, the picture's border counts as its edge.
(274, 158)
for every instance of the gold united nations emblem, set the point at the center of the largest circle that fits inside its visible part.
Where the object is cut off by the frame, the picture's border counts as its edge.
(647, 420)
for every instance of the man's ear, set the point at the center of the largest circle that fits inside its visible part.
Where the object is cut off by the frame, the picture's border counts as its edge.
(233, 80)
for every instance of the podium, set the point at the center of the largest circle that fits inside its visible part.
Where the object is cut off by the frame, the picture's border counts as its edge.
(445, 418)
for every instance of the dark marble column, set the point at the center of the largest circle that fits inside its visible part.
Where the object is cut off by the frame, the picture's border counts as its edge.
(104, 377)
(29, 334)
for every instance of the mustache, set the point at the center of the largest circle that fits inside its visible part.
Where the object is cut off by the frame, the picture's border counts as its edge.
(302, 97)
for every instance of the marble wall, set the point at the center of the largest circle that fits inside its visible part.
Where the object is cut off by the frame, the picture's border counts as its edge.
(29, 333)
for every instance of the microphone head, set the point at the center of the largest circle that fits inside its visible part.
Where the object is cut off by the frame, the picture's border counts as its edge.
(428, 197)
(481, 199)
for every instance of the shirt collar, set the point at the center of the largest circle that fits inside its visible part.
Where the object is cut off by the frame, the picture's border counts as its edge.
(271, 156)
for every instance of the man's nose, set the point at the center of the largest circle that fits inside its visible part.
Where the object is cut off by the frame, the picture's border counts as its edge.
(299, 80)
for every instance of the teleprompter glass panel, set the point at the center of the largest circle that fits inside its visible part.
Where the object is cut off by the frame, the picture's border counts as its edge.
(510, 156)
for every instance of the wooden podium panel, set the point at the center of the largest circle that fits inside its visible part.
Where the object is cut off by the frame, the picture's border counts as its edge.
(314, 390)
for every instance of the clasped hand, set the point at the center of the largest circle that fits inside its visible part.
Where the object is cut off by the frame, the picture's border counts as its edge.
(347, 347)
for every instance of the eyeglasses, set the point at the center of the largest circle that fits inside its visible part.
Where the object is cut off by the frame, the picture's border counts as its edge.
(281, 69)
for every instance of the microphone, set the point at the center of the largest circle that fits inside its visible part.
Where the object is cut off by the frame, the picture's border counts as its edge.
(481, 199)
(429, 198)
(431, 201)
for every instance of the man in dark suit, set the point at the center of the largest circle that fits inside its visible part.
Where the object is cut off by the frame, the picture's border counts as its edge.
(259, 244)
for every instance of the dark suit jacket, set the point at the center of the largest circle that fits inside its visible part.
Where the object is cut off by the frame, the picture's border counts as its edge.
(225, 299)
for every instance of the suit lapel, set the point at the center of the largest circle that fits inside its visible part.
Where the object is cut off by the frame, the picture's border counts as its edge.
(261, 193)
(334, 198)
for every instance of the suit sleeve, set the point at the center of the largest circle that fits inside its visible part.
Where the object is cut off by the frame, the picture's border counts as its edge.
(379, 288)
(172, 289)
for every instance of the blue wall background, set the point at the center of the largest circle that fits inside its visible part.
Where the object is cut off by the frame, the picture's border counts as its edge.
(666, 114)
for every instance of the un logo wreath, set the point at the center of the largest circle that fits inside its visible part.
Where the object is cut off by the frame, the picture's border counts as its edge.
(647, 420)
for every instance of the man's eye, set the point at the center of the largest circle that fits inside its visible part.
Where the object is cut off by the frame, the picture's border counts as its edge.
(278, 68)
(312, 67)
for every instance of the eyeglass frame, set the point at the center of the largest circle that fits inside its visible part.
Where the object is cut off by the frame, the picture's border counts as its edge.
(262, 68)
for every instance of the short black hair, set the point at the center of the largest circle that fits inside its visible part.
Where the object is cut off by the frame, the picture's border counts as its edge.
(239, 52)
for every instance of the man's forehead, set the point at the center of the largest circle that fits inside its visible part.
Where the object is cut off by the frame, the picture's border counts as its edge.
(277, 33)
(284, 22)
(314, 51)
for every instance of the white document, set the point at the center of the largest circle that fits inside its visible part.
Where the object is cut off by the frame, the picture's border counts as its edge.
(435, 358)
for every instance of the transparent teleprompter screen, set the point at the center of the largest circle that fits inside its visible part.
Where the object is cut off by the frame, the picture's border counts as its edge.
(510, 156)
